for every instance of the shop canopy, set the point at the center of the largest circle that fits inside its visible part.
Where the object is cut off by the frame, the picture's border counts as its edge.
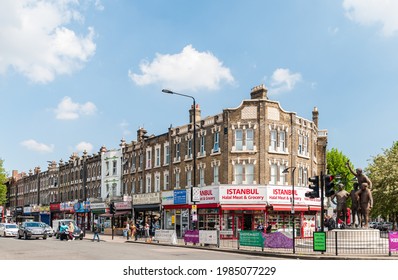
(243, 206)
(288, 207)
(118, 213)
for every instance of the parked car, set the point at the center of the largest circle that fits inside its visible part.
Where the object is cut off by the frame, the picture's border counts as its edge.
(386, 226)
(373, 224)
(31, 230)
(8, 229)
(77, 234)
(49, 230)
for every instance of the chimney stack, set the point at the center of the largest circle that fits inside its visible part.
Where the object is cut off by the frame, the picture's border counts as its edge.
(259, 92)
(315, 115)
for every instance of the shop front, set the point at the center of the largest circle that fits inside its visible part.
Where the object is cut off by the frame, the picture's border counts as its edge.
(97, 209)
(67, 211)
(122, 215)
(242, 207)
(55, 212)
(82, 211)
(147, 209)
(176, 211)
(45, 214)
(280, 210)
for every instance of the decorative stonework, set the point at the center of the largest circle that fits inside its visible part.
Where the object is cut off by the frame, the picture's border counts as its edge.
(249, 112)
(273, 114)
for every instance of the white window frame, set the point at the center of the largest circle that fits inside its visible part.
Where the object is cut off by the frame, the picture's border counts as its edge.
(273, 174)
(249, 139)
(202, 145)
(216, 139)
(166, 154)
(157, 156)
(249, 173)
(202, 176)
(273, 140)
(148, 158)
(238, 174)
(148, 184)
(239, 139)
(216, 174)
(282, 141)
(166, 178)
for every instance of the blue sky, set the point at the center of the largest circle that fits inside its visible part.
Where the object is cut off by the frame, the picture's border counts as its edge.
(77, 75)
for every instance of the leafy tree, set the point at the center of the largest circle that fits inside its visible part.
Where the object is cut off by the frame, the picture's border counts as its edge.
(336, 166)
(383, 172)
(3, 179)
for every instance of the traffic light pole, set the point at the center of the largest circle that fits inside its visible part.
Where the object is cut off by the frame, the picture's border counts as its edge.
(322, 204)
(113, 225)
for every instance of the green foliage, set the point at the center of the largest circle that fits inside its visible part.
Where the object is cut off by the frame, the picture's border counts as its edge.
(383, 172)
(336, 166)
(3, 179)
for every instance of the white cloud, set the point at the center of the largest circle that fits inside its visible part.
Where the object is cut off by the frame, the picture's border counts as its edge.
(282, 80)
(188, 70)
(84, 146)
(68, 110)
(33, 145)
(369, 12)
(36, 42)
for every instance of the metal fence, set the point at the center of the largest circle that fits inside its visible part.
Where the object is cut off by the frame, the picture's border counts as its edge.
(338, 243)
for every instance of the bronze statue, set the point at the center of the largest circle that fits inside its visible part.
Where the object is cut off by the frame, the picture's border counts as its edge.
(355, 210)
(366, 203)
(362, 178)
(341, 197)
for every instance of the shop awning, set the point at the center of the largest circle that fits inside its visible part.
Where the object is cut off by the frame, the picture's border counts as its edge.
(288, 207)
(243, 206)
(118, 213)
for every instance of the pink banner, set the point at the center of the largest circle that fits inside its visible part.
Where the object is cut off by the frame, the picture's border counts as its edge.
(393, 241)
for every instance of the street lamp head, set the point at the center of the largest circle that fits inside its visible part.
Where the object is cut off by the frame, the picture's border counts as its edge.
(167, 91)
(286, 170)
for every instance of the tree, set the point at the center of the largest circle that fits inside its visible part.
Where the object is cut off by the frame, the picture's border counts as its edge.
(383, 172)
(3, 188)
(336, 166)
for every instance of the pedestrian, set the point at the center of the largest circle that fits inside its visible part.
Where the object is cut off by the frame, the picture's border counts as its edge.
(96, 233)
(260, 227)
(133, 231)
(127, 230)
(146, 228)
(71, 229)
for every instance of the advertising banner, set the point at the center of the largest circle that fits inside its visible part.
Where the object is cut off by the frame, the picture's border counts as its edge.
(191, 236)
(393, 241)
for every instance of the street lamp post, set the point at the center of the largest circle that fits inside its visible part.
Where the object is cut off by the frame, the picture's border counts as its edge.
(84, 191)
(194, 139)
(293, 168)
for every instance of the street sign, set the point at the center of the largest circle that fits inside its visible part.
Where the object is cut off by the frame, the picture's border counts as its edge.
(195, 194)
(319, 241)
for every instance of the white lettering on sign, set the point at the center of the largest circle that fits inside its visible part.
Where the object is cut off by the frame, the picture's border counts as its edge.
(243, 194)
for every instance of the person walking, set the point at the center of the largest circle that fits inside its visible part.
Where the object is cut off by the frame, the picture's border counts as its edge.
(71, 229)
(127, 230)
(133, 231)
(96, 233)
(146, 228)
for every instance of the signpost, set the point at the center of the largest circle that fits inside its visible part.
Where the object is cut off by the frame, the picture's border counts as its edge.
(253, 238)
(319, 241)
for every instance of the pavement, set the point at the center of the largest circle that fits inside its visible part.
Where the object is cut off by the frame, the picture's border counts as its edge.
(284, 255)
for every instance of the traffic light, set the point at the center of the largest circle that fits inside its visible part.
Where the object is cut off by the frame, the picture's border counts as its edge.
(329, 185)
(314, 186)
(112, 208)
